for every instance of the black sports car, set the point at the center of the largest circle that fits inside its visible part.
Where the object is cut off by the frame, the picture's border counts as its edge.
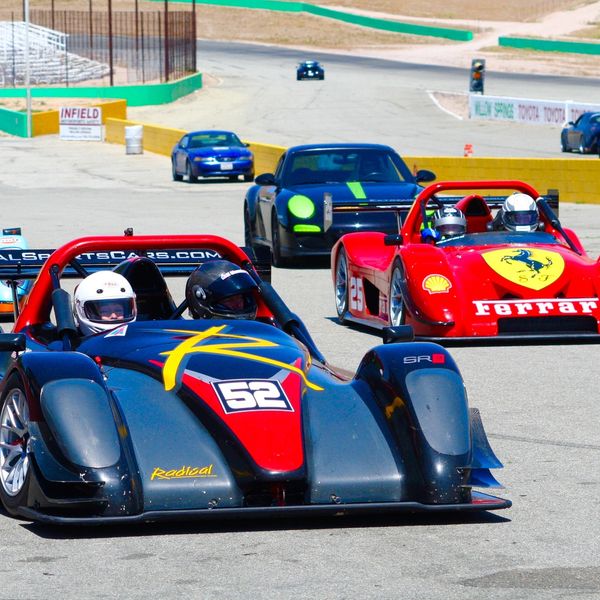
(318, 193)
(310, 69)
(172, 418)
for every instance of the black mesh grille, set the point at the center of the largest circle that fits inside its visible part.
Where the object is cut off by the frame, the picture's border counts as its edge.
(564, 324)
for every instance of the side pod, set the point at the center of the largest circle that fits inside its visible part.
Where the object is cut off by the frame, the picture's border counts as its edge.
(421, 394)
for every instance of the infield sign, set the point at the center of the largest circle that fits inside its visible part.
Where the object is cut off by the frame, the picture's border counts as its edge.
(81, 123)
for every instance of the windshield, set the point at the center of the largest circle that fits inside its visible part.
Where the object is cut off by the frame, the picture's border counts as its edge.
(341, 165)
(490, 238)
(209, 140)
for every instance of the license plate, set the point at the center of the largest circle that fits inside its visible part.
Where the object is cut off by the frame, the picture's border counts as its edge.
(226, 166)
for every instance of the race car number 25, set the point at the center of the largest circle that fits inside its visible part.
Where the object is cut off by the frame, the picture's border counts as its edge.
(251, 394)
(357, 294)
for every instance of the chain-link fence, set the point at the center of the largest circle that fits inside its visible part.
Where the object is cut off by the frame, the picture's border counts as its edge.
(110, 48)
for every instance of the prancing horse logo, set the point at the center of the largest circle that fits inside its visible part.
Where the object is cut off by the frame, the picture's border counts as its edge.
(530, 267)
(535, 266)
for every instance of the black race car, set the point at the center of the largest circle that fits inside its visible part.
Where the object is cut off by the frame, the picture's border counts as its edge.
(168, 417)
(310, 69)
(319, 192)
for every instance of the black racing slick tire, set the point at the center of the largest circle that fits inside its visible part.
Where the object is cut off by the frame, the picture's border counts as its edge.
(188, 171)
(176, 175)
(15, 464)
(341, 285)
(396, 305)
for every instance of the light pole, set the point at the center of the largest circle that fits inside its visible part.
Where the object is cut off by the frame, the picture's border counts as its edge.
(166, 40)
(110, 43)
(27, 78)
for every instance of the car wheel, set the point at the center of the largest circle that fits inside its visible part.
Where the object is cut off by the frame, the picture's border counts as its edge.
(581, 147)
(249, 177)
(276, 258)
(396, 306)
(15, 466)
(341, 285)
(176, 175)
(233, 178)
(248, 241)
(563, 146)
(190, 175)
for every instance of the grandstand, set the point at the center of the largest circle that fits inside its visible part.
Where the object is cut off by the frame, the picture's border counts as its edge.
(49, 61)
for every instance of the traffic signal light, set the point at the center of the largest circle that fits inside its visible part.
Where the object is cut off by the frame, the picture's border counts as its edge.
(477, 75)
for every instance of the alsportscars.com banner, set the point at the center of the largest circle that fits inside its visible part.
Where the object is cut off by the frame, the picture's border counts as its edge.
(522, 110)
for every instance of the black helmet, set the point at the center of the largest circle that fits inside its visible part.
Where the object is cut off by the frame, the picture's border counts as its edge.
(221, 289)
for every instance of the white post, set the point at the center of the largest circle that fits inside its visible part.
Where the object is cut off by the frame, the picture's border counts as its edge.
(27, 82)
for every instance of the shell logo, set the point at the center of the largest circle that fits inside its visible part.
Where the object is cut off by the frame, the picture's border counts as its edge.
(436, 284)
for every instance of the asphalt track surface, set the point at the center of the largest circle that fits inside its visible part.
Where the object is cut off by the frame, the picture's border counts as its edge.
(539, 403)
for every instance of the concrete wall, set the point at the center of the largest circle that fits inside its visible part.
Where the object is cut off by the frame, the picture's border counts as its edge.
(576, 178)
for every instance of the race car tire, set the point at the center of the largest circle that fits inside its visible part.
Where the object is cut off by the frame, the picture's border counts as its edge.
(248, 240)
(188, 171)
(581, 146)
(396, 306)
(341, 286)
(176, 175)
(15, 465)
(563, 147)
(276, 258)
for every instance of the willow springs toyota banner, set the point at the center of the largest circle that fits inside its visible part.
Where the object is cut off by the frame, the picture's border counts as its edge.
(521, 110)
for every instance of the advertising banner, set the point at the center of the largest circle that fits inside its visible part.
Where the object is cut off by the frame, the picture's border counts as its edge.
(81, 123)
(522, 110)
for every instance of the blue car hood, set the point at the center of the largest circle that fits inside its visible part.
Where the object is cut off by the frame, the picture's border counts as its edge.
(219, 350)
(358, 191)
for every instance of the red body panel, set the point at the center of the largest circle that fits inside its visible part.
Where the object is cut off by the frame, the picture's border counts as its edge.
(465, 290)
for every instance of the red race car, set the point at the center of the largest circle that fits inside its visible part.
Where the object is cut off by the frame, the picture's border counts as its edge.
(496, 281)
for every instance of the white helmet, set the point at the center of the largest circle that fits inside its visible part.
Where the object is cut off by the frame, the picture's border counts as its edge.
(519, 213)
(103, 300)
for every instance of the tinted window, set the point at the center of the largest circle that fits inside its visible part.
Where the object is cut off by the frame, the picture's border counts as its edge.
(341, 165)
(206, 140)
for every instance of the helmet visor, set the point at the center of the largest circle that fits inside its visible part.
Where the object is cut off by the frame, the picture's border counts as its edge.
(237, 306)
(521, 218)
(116, 310)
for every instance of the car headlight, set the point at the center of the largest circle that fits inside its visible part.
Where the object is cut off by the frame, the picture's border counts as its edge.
(207, 159)
(302, 207)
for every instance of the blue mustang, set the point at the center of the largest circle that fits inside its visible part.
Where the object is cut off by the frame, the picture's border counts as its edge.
(319, 192)
(212, 153)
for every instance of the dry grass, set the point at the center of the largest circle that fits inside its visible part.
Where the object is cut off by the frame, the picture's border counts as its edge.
(271, 27)
(507, 10)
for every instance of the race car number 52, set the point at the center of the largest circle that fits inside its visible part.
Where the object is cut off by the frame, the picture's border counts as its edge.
(253, 394)
(356, 293)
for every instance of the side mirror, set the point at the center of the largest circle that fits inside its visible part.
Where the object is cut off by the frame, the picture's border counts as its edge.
(12, 342)
(424, 175)
(393, 239)
(401, 333)
(265, 179)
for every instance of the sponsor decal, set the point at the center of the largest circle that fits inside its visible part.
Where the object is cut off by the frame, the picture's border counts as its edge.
(536, 308)
(436, 358)
(184, 472)
(118, 332)
(436, 284)
(112, 256)
(530, 267)
(215, 340)
(242, 395)
(230, 273)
